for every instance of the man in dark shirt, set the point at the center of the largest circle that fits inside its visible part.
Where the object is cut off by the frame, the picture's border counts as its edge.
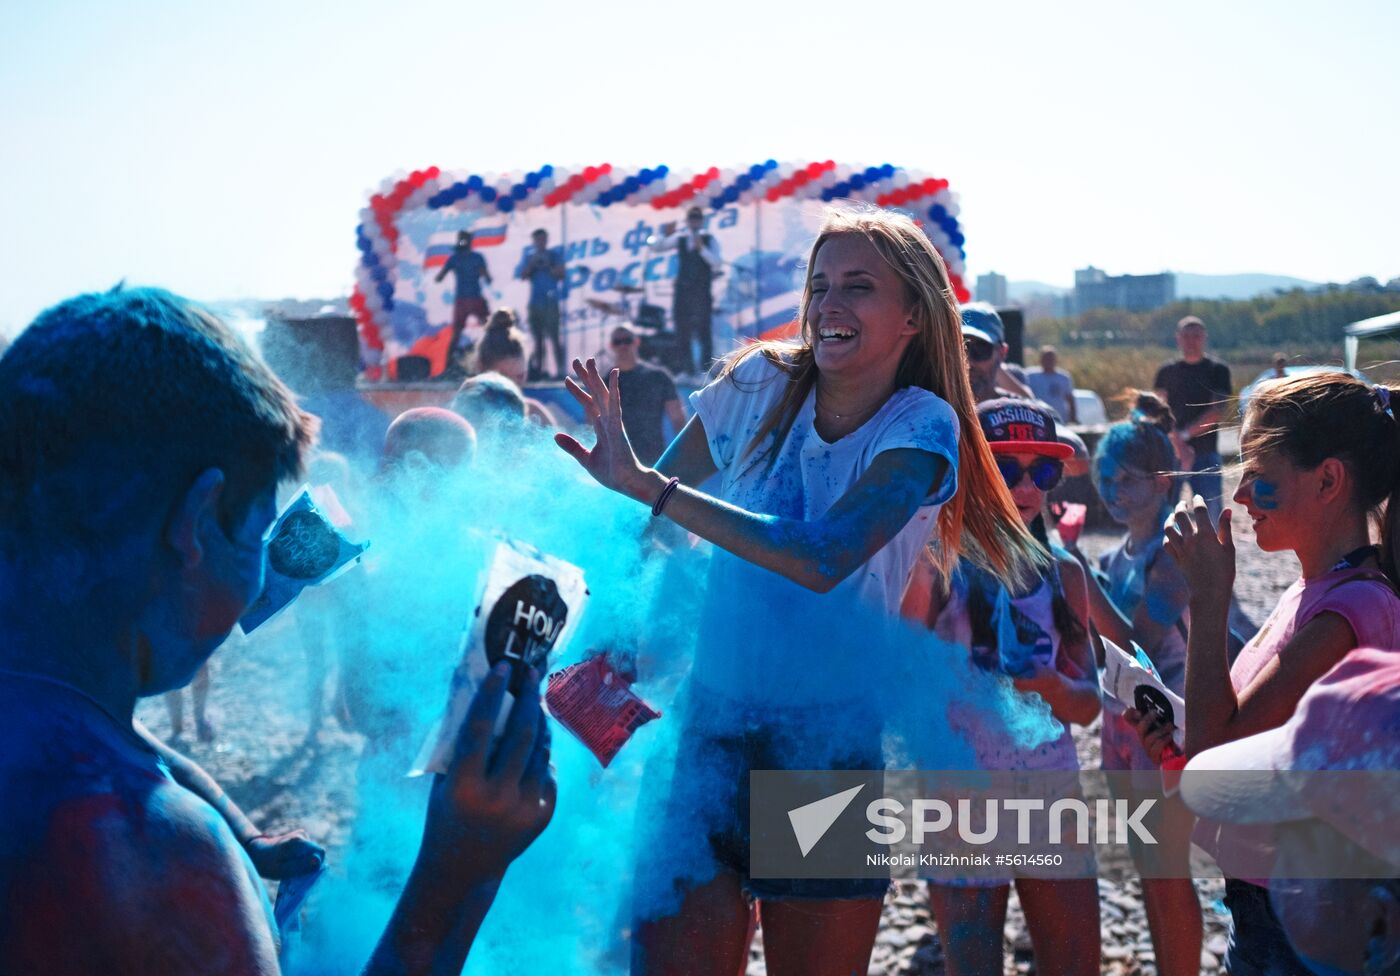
(543, 267)
(1196, 388)
(470, 271)
(648, 394)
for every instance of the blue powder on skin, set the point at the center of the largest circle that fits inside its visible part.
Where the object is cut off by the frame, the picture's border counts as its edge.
(566, 905)
(1265, 494)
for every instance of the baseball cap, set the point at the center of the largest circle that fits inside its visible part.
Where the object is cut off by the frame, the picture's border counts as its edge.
(981, 321)
(1336, 761)
(1014, 426)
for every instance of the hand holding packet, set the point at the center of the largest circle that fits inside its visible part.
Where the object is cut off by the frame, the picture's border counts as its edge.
(1132, 681)
(304, 549)
(528, 606)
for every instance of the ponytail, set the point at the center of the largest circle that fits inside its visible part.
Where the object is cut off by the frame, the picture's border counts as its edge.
(1388, 519)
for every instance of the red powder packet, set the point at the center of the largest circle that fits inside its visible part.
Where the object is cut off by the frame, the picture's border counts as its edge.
(597, 705)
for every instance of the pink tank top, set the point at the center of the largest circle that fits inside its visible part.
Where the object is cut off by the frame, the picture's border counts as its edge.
(1366, 600)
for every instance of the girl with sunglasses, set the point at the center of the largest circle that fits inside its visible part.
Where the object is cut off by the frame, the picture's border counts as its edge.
(1039, 637)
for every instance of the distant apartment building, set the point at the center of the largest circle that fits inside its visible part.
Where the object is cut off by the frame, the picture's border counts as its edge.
(991, 288)
(1094, 288)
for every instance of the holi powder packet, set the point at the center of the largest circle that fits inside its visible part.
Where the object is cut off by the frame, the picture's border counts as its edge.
(304, 549)
(598, 706)
(528, 606)
(1133, 682)
(291, 895)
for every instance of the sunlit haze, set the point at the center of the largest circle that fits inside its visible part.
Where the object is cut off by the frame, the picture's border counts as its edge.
(223, 150)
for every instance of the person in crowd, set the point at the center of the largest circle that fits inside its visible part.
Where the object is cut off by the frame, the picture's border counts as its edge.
(1325, 781)
(1142, 599)
(502, 351)
(1196, 388)
(490, 403)
(984, 340)
(543, 267)
(131, 541)
(319, 611)
(469, 271)
(1054, 386)
(838, 457)
(275, 856)
(692, 304)
(199, 696)
(1321, 461)
(1280, 366)
(1045, 650)
(648, 395)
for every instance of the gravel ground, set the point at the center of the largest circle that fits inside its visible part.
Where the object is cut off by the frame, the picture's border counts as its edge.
(285, 778)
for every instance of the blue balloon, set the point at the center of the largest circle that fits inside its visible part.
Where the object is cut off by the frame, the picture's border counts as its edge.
(857, 181)
(532, 180)
(386, 291)
(644, 175)
(488, 193)
(770, 164)
(662, 170)
(546, 170)
(505, 204)
(475, 182)
(937, 212)
(755, 171)
(520, 191)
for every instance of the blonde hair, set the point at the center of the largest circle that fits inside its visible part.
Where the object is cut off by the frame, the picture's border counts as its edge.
(991, 531)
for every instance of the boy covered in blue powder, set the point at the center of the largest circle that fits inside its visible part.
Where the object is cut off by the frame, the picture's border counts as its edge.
(141, 445)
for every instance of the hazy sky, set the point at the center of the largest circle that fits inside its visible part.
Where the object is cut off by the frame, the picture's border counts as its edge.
(223, 150)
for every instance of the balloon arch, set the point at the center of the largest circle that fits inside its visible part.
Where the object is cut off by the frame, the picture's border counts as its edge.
(602, 221)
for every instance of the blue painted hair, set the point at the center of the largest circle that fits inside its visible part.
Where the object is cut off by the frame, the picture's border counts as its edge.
(115, 401)
(1142, 441)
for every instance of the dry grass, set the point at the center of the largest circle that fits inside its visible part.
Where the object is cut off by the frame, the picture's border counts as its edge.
(1109, 370)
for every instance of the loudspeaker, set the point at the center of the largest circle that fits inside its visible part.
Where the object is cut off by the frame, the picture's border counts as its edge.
(412, 369)
(663, 348)
(650, 316)
(314, 355)
(1015, 323)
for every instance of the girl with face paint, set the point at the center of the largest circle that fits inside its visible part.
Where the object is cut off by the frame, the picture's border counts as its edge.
(1320, 479)
(1139, 595)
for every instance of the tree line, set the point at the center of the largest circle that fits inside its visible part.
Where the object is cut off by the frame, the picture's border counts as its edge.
(1281, 319)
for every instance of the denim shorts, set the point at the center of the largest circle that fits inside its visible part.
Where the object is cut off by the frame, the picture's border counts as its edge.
(1258, 944)
(720, 743)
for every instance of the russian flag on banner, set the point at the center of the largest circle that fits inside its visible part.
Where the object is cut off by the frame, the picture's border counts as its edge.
(436, 255)
(440, 246)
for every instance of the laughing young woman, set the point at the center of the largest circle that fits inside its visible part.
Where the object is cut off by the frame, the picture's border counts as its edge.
(840, 458)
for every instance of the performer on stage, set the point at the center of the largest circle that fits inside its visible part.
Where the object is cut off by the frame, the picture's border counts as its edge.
(470, 271)
(543, 267)
(692, 304)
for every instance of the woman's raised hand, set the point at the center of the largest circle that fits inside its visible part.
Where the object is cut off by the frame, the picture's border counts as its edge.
(611, 461)
(1205, 552)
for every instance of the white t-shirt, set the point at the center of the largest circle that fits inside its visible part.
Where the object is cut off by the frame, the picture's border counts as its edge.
(762, 636)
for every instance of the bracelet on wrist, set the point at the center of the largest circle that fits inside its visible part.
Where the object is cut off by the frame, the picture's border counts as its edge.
(671, 485)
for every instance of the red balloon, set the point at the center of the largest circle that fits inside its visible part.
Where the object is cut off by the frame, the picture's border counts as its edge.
(605, 168)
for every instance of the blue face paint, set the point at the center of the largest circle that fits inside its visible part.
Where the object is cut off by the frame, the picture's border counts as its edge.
(1265, 494)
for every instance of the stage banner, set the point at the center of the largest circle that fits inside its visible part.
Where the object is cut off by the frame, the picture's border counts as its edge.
(609, 231)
